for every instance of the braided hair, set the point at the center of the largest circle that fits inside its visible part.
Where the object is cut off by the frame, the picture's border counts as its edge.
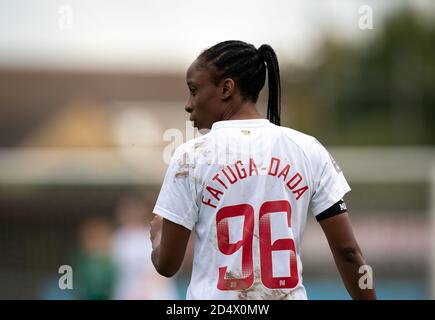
(247, 66)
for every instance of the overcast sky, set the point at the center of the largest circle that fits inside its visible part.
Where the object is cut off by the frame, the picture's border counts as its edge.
(168, 35)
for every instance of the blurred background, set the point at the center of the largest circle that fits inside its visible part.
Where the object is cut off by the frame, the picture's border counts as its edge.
(88, 90)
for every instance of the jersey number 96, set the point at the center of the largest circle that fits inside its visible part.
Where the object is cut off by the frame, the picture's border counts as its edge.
(265, 244)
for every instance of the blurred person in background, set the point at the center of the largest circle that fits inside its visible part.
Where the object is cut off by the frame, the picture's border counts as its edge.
(136, 277)
(93, 265)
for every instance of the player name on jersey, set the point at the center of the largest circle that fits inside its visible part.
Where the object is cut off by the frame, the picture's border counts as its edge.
(238, 171)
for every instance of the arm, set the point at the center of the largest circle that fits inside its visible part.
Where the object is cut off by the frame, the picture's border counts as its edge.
(169, 242)
(347, 254)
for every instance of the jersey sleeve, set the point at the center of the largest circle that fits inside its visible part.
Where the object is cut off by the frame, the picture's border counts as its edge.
(329, 183)
(176, 200)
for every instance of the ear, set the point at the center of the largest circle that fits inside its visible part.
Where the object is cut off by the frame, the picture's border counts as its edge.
(227, 89)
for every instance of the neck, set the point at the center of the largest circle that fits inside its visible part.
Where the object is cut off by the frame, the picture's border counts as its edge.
(247, 110)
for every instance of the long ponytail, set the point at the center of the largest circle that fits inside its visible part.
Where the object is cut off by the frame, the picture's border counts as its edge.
(274, 83)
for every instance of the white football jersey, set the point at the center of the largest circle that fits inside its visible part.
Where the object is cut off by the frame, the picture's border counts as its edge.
(245, 188)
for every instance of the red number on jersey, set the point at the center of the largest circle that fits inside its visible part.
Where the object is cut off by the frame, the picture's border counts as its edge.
(228, 248)
(266, 246)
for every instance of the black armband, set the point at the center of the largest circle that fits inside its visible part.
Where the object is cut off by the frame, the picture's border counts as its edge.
(337, 208)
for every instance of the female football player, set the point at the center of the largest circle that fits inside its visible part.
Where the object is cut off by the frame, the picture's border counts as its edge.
(246, 186)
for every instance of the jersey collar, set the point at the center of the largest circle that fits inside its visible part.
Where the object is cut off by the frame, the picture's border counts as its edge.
(240, 123)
